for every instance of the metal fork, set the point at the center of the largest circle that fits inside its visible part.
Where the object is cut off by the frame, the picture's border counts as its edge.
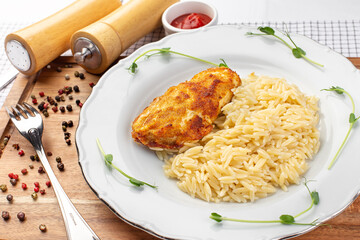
(31, 127)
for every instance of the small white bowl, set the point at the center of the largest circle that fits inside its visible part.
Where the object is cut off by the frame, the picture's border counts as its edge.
(186, 7)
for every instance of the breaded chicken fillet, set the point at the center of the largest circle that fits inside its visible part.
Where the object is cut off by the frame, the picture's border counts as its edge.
(185, 112)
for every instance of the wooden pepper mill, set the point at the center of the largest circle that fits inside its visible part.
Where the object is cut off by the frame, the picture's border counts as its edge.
(96, 46)
(31, 48)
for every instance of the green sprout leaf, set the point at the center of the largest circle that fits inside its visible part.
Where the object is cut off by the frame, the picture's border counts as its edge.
(223, 64)
(287, 219)
(216, 217)
(267, 30)
(108, 158)
(315, 197)
(352, 120)
(296, 51)
(166, 51)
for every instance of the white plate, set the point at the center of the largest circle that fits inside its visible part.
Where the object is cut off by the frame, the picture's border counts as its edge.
(168, 212)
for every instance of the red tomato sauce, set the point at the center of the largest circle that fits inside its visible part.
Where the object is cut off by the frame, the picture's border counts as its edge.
(191, 21)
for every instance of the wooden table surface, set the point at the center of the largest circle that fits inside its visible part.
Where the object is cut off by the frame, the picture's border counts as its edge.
(45, 209)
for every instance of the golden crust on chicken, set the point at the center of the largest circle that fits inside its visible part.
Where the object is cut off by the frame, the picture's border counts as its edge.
(186, 112)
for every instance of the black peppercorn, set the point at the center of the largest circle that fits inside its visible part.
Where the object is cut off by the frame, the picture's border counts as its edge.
(76, 88)
(66, 135)
(69, 108)
(64, 128)
(9, 197)
(81, 75)
(42, 227)
(21, 216)
(57, 98)
(77, 102)
(13, 181)
(60, 166)
(68, 142)
(76, 74)
(58, 159)
(5, 215)
(41, 170)
(58, 69)
(32, 157)
(62, 109)
(70, 123)
(64, 123)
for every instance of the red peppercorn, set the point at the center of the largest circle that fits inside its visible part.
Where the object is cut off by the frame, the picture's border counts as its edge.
(11, 175)
(42, 191)
(48, 183)
(15, 176)
(55, 109)
(24, 171)
(46, 105)
(34, 101)
(36, 184)
(21, 152)
(60, 91)
(24, 186)
(80, 104)
(41, 94)
(36, 189)
(91, 84)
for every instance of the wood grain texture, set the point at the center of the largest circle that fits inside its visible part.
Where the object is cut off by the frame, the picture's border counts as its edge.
(45, 209)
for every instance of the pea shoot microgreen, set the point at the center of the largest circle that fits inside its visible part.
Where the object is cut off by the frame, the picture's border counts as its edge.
(352, 120)
(108, 158)
(296, 50)
(283, 219)
(166, 51)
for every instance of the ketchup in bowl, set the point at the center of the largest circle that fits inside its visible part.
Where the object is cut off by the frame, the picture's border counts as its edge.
(191, 21)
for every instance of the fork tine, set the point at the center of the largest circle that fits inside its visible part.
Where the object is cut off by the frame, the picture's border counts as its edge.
(33, 110)
(17, 112)
(24, 110)
(12, 116)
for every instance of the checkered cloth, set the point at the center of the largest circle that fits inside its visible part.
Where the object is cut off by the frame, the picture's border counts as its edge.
(341, 36)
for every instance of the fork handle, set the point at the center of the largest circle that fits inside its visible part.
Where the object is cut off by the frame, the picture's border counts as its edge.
(75, 225)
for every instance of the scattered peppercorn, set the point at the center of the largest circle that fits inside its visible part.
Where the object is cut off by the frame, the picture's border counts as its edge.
(50, 100)
(60, 91)
(41, 94)
(11, 175)
(57, 98)
(24, 186)
(36, 189)
(76, 88)
(60, 166)
(48, 66)
(21, 216)
(64, 128)
(3, 187)
(48, 183)
(62, 109)
(77, 101)
(68, 142)
(70, 123)
(76, 74)
(55, 109)
(64, 123)
(13, 181)
(46, 114)
(41, 170)
(69, 108)
(16, 146)
(67, 77)
(5, 215)
(81, 75)
(33, 96)
(24, 171)
(36, 184)
(21, 153)
(37, 158)
(66, 135)
(58, 159)
(49, 154)
(9, 197)
(34, 101)
(71, 97)
(34, 195)
(80, 104)
(42, 191)
(42, 227)
(91, 84)
(62, 98)
(31, 166)
(15, 176)
(32, 157)
(58, 69)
